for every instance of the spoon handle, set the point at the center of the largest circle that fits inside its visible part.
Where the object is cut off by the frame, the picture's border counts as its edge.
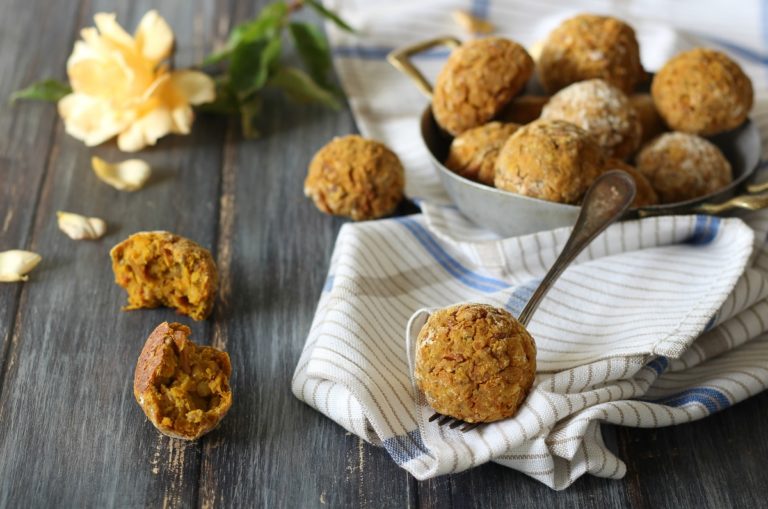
(606, 201)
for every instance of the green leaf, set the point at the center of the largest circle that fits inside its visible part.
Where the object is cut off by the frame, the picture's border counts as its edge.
(299, 86)
(328, 14)
(252, 64)
(46, 90)
(267, 25)
(249, 111)
(313, 49)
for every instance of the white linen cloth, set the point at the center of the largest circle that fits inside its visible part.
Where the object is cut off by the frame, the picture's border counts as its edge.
(660, 321)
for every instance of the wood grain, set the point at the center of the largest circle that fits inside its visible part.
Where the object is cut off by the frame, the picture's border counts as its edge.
(71, 433)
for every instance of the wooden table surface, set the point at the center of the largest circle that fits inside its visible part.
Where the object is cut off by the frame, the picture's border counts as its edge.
(71, 433)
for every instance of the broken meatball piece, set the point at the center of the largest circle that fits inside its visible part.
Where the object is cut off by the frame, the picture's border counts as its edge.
(164, 269)
(183, 388)
(475, 362)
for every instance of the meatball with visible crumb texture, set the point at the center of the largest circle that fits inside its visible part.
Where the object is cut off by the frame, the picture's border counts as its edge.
(355, 177)
(475, 362)
(683, 166)
(588, 46)
(478, 80)
(702, 91)
(645, 194)
(551, 160)
(473, 153)
(600, 109)
(164, 269)
(182, 388)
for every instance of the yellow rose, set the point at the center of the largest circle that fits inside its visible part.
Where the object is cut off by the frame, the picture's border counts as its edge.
(120, 87)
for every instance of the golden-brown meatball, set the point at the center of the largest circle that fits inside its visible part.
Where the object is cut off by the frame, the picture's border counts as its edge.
(183, 388)
(475, 362)
(600, 109)
(588, 46)
(650, 120)
(355, 177)
(683, 166)
(164, 269)
(645, 194)
(549, 159)
(473, 153)
(702, 91)
(477, 81)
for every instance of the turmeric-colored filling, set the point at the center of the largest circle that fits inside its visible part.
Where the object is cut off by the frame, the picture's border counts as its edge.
(154, 275)
(191, 389)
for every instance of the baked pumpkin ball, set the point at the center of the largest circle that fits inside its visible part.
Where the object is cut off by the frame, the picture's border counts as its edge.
(475, 362)
(702, 91)
(551, 160)
(163, 269)
(600, 109)
(683, 166)
(478, 80)
(355, 177)
(645, 195)
(473, 153)
(650, 120)
(182, 388)
(588, 46)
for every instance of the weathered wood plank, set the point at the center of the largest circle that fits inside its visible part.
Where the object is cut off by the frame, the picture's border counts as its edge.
(272, 450)
(26, 129)
(71, 430)
(716, 462)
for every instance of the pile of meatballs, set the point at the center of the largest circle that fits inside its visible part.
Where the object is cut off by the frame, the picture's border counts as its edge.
(553, 147)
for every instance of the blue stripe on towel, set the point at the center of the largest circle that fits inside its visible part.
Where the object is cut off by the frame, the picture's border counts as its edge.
(328, 286)
(520, 296)
(659, 365)
(450, 264)
(480, 8)
(381, 52)
(712, 399)
(741, 51)
(403, 448)
(705, 230)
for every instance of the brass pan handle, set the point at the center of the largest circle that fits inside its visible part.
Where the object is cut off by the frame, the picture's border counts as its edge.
(401, 60)
(744, 201)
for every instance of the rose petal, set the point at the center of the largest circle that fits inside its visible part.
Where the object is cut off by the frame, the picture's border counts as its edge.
(154, 37)
(129, 175)
(146, 130)
(472, 24)
(182, 119)
(79, 227)
(195, 86)
(110, 29)
(15, 264)
(90, 119)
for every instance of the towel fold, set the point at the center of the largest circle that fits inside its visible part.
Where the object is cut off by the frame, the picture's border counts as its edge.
(659, 321)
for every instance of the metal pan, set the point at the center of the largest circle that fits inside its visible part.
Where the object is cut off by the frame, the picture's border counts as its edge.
(510, 214)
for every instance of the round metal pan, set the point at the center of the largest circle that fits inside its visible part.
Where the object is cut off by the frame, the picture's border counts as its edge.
(510, 214)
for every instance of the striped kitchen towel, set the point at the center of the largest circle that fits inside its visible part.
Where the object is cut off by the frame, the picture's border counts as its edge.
(659, 321)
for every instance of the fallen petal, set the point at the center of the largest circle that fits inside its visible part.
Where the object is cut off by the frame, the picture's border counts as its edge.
(15, 264)
(79, 227)
(472, 24)
(129, 175)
